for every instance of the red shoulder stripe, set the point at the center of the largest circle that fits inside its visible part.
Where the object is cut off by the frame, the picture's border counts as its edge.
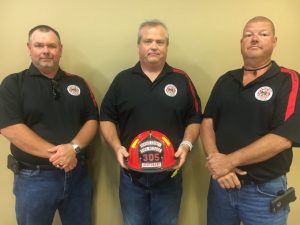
(293, 93)
(91, 94)
(196, 103)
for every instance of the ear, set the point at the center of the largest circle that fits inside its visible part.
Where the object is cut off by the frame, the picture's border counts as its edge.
(241, 40)
(28, 47)
(275, 41)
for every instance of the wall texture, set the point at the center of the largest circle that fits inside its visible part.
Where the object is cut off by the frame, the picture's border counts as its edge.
(99, 40)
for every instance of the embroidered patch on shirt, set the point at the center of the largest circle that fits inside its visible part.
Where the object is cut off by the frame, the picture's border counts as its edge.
(170, 90)
(264, 93)
(73, 90)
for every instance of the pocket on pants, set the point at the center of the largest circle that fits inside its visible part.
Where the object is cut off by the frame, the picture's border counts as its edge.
(273, 187)
(28, 173)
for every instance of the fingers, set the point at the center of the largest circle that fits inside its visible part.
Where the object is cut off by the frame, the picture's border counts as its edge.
(59, 166)
(53, 149)
(240, 172)
(63, 157)
(216, 175)
(181, 155)
(122, 155)
(230, 180)
(218, 164)
(67, 166)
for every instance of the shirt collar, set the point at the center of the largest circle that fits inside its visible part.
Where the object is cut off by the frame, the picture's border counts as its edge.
(137, 69)
(33, 71)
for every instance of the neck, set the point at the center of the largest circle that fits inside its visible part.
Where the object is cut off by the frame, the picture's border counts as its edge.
(49, 73)
(255, 69)
(152, 71)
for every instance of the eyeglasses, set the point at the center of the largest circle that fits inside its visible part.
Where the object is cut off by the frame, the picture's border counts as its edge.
(55, 89)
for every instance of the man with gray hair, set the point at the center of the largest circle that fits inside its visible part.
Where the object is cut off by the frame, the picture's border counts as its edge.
(156, 99)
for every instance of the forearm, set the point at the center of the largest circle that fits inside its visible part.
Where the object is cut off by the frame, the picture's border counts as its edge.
(65, 155)
(191, 132)
(109, 132)
(86, 133)
(260, 150)
(208, 136)
(28, 141)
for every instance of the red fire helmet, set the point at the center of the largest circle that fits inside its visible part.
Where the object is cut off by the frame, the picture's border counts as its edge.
(151, 151)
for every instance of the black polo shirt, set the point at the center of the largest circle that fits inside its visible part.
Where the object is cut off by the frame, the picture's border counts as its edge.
(243, 114)
(29, 97)
(136, 104)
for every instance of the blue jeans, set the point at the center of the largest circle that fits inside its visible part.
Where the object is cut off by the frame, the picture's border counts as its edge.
(250, 204)
(150, 206)
(39, 193)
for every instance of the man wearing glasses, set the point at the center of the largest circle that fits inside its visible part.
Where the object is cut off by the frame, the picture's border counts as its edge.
(49, 117)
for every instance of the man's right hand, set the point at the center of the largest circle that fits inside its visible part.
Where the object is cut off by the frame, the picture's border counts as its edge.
(63, 157)
(231, 180)
(121, 155)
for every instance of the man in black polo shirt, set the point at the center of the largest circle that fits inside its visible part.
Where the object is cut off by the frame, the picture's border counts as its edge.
(48, 116)
(151, 96)
(250, 124)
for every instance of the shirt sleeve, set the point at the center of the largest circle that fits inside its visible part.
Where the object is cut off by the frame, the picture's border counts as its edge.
(108, 109)
(10, 101)
(194, 114)
(91, 112)
(211, 107)
(289, 109)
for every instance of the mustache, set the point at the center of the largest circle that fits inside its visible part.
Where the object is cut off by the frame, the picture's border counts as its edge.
(46, 57)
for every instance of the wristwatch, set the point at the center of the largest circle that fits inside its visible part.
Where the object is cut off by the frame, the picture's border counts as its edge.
(76, 148)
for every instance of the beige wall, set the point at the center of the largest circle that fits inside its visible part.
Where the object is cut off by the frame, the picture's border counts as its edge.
(99, 40)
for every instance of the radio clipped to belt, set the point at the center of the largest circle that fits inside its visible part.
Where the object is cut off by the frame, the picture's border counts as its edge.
(283, 199)
(13, 164)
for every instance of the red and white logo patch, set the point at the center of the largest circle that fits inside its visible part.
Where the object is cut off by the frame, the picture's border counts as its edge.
(264, 93)
(171, 90)
(73, 90)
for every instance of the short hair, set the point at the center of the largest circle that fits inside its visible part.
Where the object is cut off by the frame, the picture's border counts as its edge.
(152, 23)
(43, 28)
(262, 19)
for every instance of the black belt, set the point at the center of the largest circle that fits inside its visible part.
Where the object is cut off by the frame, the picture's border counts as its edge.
(248, 182)
(134, 176)
(25, 165)
(29, 166)
(251, 181)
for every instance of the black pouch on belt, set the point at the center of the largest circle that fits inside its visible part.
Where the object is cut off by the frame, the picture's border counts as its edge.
(13, 164)
(283, 199)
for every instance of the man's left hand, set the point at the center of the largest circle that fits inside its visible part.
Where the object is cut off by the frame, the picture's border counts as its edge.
(180, 155)
(218, 165)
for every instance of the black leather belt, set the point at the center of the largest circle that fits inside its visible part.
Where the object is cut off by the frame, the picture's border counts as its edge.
(134, 176)
(29, 166)
(248, 182)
